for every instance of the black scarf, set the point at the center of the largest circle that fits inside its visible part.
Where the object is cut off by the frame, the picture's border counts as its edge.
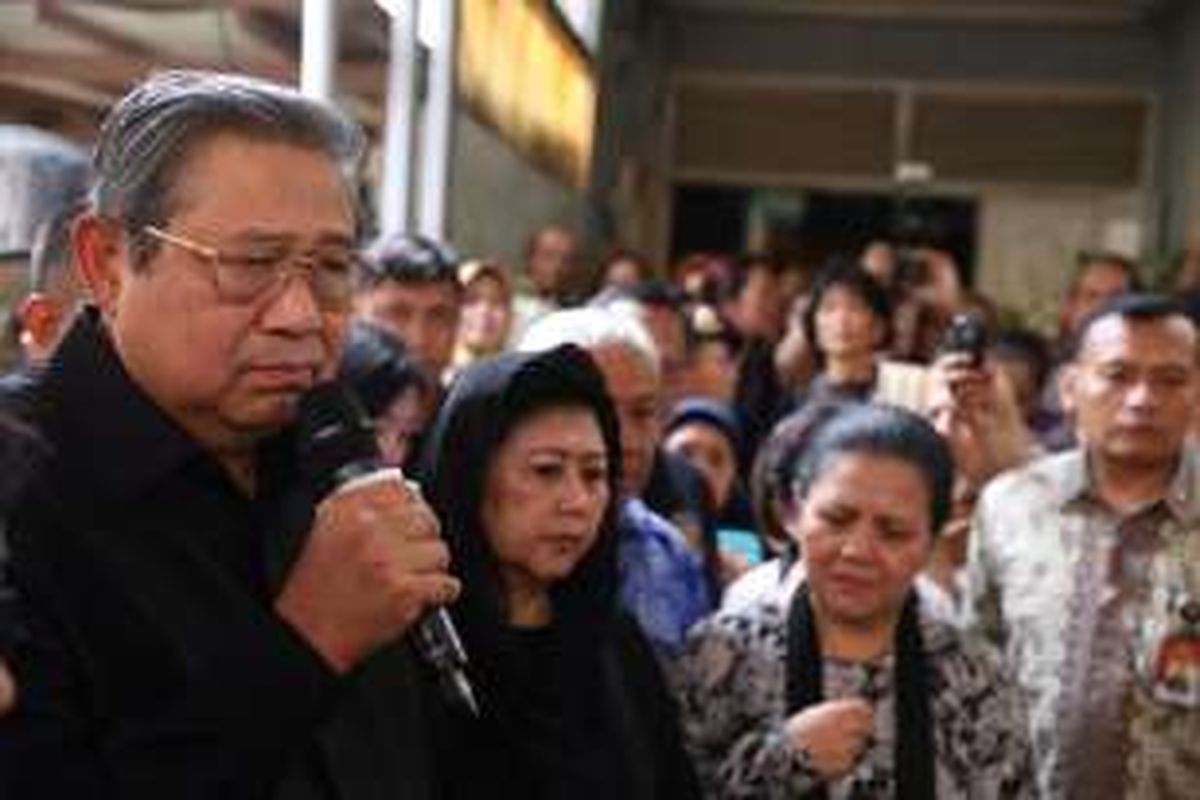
(552, 724)
(914, 725)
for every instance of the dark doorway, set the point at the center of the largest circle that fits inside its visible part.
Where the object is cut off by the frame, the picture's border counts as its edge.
(814, 224)
(709, 219)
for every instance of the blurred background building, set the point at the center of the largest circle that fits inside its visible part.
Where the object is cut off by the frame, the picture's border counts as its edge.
(1016, 132)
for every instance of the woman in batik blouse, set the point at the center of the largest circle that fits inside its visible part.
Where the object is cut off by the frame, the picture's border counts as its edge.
(846, 689)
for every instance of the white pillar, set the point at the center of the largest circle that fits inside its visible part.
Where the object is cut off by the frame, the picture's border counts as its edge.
(395, 195)
(318, 48)
(438, 18)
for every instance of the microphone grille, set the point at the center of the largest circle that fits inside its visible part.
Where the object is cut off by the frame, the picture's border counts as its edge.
(333, 433)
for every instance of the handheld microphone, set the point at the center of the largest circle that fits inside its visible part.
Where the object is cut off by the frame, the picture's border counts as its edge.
(338, 452)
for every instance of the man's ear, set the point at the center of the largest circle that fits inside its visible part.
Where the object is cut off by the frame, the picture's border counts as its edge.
(1068, 387)
(100, 259)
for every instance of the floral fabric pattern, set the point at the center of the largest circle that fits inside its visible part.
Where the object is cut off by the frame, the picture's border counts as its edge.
(732, 687)
(1081, 600)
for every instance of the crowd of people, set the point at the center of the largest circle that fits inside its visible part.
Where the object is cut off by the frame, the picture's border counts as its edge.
(730, 529)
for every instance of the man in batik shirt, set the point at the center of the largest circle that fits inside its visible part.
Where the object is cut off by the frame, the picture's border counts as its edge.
(1085, 566)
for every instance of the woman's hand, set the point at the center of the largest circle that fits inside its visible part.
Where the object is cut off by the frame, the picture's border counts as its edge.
(835, 734)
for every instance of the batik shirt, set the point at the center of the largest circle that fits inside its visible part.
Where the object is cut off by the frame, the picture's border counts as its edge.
(733, 694)
(1098, 615)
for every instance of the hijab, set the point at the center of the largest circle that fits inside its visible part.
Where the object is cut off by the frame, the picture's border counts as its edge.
(547, 721)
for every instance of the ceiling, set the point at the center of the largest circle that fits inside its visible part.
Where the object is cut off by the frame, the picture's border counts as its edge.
(63, 61)
(983, 11)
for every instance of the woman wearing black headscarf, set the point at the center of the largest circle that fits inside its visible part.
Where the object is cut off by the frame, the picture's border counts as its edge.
(522, 469)
(848, 688)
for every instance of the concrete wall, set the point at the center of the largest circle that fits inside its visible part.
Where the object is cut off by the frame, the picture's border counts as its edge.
(1179, 177)
(497, 197)
(1028, 235)
(629, 178)
(894, 49)
(1028, 241)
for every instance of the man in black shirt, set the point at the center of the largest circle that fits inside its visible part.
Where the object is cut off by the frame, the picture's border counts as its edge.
(198, 626)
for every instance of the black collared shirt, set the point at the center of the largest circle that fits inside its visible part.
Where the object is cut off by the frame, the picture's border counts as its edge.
(157, 666)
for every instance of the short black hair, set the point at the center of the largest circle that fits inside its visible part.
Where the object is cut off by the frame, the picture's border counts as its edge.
(1136, 306)
(148, 138)
(1086, 259)
(746, 265)
(409, 259)
(626, 254)
(654, 293)
(844, 273)
(377, 368)
(1026, 345)
(534, 239)
(659, 294)
(881, 430)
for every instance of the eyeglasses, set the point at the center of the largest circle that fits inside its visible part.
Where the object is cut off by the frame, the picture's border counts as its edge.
(252, 274)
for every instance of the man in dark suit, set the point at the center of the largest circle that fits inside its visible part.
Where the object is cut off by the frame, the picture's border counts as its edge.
(197, 624)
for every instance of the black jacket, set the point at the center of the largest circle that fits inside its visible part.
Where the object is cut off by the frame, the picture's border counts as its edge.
(156, 667)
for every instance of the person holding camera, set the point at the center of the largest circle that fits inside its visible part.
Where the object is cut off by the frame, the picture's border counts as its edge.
(972, 404)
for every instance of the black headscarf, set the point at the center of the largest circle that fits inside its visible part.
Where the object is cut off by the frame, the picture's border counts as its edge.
(527, 742)
(736, 511)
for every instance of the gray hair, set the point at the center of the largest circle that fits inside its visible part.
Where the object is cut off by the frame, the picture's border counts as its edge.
(150, 132)
(592, 329)
(50, 259)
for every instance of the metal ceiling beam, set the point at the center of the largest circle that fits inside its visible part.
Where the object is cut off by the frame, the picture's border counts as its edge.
(267, 29)
(57, 15)
(110, 71)
(1015, 11)
(116, 70)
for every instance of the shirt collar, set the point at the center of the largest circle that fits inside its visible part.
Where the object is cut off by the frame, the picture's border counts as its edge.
(104, 424)
(1072, 483)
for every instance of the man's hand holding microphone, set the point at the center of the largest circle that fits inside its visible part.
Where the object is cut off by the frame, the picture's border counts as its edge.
(374, 567)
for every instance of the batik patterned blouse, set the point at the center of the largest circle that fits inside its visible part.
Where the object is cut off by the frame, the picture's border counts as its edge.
(732, 685)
